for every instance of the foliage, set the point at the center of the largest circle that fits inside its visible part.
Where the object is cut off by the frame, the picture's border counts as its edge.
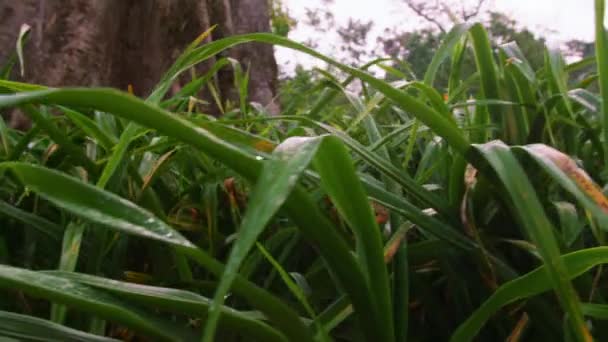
(280, 20)
(352, 216)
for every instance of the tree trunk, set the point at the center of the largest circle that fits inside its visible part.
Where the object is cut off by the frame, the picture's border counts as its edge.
(120, 42)
(240, 17)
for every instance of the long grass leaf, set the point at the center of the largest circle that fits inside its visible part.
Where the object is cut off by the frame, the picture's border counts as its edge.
(530, 214)
(528, 285)
(279, 175)
(88, 299)
(23, 327)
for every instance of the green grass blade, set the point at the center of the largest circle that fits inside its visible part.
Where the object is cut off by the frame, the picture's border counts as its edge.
(178, 301)
(384, 167)
(587, 99)
(518, 60)
(46, 227)
(340, 181)
(597, 311)
(5, 138)
(94, 204)
(314, 225)
(28, 328)
(295, 290)
(60, 138)
(442, 125)
(442, 230)
(601, 55)
(444, 51)
(279, 175)
(90, 128)
(572, 179)
(530, 214)
(528, 285)
(70, 251)
(85, 298)
(489, 81)
(118, 154)
(114, 212)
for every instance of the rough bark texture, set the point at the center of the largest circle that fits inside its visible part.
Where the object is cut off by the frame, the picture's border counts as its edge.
(120, 42)
(239, 17)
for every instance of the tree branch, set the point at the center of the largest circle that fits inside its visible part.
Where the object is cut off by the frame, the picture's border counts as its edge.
(420, 10)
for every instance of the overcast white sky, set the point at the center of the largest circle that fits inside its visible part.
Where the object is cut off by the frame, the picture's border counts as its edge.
(556, 20)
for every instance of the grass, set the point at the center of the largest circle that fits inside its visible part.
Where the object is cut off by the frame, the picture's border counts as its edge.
(401, 212)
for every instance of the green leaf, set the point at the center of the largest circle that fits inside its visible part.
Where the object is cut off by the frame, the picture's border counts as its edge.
(444, 51)
(96, 205)
(70, 251)
(601, 55)
(340, 181)
(178, 301)
(46, 227)
(528, 285)
(28, 328)
(572, 179)
(85, 298)
(279, 176)
(489, 81)
(529, 213)
(90, 128)
(294, 289)
(114, 212)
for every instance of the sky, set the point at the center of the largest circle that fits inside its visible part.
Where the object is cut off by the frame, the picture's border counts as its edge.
(556, 20)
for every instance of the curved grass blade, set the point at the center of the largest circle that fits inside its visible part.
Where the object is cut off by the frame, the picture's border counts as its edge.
(442, 125)
(116, 213)
(30, 328)
(528, 285)
(118, 154)
(531, 216)
(60, 138)
(587, 99)
(295, 290)
(24, 32)
(94, 204)
(180, 64)
(85, 298)
(300, 206)
(177, 301)
(573, 179)
(444, 51)
(279, 176)
(90, 128)
(340, 181)
(48, 228)
(516, 58)
(523, 83)
(383, 166)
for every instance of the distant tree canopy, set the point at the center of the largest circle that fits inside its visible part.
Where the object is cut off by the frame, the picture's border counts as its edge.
(412, 50)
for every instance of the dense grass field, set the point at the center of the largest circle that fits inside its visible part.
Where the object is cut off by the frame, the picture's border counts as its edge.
(405, 211)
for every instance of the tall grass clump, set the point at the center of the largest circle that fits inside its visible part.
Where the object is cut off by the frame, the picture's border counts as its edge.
(402, 211)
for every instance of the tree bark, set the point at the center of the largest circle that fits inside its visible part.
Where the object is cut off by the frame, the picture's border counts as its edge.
(245, 16)
(120, 42)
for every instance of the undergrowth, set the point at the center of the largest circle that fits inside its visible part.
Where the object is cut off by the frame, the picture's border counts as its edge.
(398, 211)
